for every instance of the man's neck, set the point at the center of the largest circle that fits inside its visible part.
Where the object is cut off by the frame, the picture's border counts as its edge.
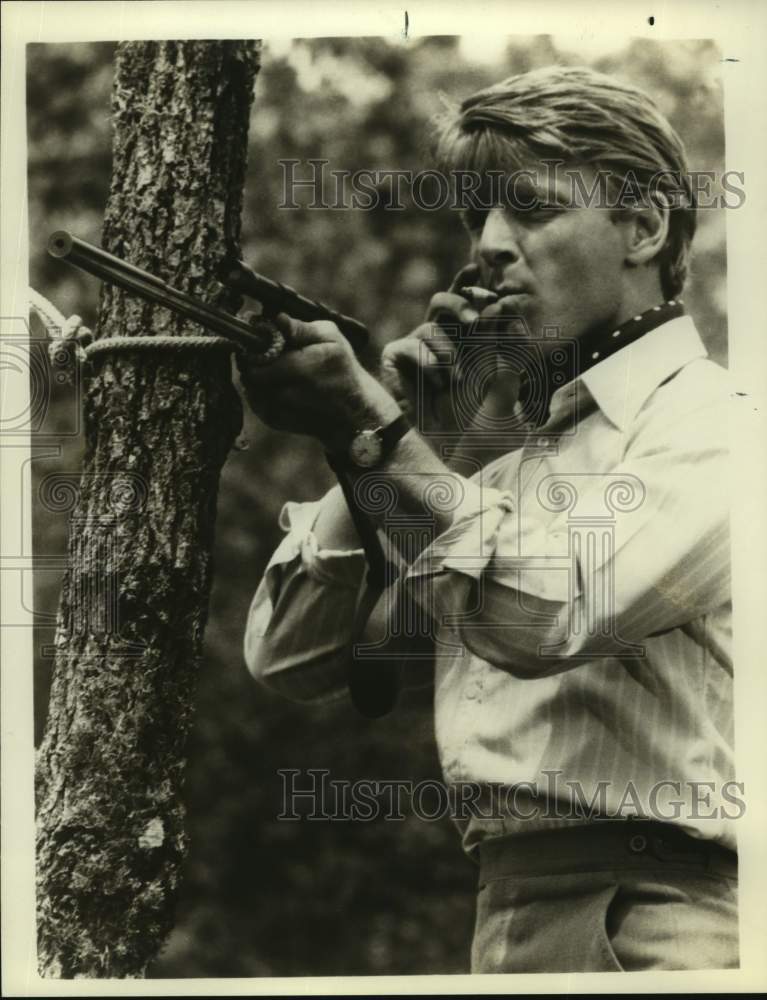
(573, 358)
(637, 297)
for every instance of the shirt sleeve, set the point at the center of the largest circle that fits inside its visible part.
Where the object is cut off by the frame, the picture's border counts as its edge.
(591, 565)
(299, 625)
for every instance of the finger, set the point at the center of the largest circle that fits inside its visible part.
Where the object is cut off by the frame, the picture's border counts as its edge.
(506, 307)
(254, 373)
(410, 356)
(434, 336)
(280, 410)
(503, 313)
(250, 369)
(266, 405)
(272, 413)
(439, 342)
(430, 333)
(309, 345)
(299, 334)
(468, 275)
(280, 372)
(455, 308)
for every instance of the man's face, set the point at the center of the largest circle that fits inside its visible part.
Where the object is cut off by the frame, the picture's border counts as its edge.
(557, 264)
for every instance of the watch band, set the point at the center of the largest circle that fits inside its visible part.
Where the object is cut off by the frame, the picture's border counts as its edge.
(378, 567)
(373, 686)
(393, 433)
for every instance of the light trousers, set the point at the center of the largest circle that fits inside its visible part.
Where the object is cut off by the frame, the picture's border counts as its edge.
(615, 920)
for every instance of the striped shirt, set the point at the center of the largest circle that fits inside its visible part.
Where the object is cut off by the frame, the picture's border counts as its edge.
(583, 661)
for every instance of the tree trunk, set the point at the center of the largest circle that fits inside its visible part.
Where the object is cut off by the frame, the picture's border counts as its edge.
(134, 602)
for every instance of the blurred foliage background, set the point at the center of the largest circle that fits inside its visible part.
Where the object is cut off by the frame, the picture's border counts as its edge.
(264, 897)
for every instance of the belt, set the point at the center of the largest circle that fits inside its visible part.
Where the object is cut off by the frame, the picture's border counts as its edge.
(601, 846)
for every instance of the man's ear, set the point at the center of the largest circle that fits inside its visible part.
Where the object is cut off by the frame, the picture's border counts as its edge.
(645, 232)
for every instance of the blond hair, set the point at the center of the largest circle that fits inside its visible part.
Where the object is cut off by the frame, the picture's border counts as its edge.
(586, 118)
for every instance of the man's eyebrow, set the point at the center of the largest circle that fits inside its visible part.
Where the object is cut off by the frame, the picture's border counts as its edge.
(525, 190)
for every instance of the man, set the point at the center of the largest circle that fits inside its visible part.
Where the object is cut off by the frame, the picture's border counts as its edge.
(577, 583)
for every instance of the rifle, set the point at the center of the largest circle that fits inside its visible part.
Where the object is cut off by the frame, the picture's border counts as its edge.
(273, 296)
(373, 691)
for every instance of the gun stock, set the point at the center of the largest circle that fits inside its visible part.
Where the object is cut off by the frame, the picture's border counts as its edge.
(276, 297)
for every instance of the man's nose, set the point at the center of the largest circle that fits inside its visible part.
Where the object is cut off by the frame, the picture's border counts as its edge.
(497, 242)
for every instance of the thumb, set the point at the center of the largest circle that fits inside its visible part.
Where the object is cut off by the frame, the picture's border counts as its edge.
(466, 276)
(299, 334)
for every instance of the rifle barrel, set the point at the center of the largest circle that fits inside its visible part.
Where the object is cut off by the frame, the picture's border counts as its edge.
(273, 296)
(133, 279)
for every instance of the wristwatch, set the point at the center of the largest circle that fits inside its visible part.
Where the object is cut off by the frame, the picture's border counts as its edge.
(369, 447)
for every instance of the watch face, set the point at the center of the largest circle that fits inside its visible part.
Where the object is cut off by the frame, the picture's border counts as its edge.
(366, 448)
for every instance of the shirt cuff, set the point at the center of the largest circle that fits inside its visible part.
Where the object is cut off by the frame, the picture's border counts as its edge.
(338, 567)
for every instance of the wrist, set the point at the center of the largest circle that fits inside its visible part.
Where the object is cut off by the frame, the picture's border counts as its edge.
(369, 408)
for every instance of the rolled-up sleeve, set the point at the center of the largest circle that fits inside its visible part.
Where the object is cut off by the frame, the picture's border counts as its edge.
(591, 565)
(299, 625)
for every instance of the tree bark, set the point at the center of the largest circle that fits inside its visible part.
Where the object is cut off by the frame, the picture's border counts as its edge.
(135, 596)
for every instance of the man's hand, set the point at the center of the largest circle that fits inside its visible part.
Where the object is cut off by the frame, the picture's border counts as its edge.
(430, 372)
(317, 386)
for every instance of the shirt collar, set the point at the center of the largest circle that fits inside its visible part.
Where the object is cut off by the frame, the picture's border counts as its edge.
(622, 383)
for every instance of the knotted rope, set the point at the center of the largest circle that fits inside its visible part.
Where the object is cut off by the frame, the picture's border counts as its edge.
(71, 335)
